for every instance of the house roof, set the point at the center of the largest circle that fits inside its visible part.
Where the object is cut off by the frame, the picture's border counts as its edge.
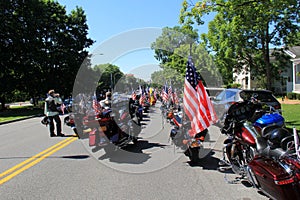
(295, 50)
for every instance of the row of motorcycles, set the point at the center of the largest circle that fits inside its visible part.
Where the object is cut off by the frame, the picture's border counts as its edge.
(260, 149)
(110, 128)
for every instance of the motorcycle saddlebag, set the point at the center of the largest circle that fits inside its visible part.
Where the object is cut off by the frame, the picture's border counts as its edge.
(268, 119)
(273, 179)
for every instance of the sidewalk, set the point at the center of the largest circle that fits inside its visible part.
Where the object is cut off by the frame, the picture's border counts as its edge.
(289, 101)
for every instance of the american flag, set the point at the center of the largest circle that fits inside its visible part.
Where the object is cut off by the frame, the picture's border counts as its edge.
(133, 95)
(170, 90)
(155, 93)
(170, 93)
(142, 99)
(175, 97)
(197, 104)
(96, 105)
(164, 93)
(62, 107)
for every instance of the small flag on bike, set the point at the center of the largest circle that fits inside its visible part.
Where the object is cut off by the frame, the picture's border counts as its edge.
(96, 105)
(133, 95)
(175, 97)
(197, 104)
(164, 93)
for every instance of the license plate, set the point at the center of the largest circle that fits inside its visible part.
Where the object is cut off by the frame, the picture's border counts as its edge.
(195, 144)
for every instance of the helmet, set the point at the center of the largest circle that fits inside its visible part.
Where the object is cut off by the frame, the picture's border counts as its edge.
(45, 121)
(276, 137)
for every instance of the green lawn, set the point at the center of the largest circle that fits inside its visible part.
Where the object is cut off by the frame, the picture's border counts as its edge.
(291, 114)
(18, 112)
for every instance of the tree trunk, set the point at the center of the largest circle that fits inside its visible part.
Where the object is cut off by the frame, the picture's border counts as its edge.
(2, 101)
(267, 60)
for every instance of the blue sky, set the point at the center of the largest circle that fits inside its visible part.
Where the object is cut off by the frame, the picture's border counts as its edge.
(108, 19)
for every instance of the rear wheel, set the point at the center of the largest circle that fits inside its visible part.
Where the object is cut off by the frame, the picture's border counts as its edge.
(193, 154)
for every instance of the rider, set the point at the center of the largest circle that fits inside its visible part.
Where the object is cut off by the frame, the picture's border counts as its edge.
(106, 103)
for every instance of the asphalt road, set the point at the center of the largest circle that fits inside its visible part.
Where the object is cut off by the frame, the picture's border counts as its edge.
(153, 169)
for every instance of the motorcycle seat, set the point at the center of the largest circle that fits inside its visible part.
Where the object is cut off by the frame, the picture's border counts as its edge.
(261, 144)
(273, 153)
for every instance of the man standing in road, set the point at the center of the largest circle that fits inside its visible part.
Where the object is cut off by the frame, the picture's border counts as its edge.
(52, 104)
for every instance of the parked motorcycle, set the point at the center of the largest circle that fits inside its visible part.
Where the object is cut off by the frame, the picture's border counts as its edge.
(260, 149)
(182, 136)
(136, 110)
(112, 129)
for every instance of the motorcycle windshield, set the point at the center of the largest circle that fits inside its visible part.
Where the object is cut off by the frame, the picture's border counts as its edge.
(178, 119)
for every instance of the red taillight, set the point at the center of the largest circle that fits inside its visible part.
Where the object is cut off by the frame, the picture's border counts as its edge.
(285, 181)
(277, 107)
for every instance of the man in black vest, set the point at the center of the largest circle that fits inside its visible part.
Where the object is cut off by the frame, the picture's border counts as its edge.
(52, 104)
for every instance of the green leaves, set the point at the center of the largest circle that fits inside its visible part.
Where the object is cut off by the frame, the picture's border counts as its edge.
(41, 46)
(243, 31)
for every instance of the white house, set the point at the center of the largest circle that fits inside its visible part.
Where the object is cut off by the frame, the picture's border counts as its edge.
(289, 81)
(294, 53)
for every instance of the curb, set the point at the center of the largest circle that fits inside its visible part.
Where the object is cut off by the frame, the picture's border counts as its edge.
(16, 120)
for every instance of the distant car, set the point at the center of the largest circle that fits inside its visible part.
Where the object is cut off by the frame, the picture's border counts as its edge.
(229, 96)
(213, 91)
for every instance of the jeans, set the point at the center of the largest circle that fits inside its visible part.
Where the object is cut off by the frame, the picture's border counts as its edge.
(51, 125)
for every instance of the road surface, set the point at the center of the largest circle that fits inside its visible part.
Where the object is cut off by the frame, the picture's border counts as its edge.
(35, 166)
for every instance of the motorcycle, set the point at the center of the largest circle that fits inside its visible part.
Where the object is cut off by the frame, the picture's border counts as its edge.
(136, 110)
(111, 130)
(259, 149)
(182, 137)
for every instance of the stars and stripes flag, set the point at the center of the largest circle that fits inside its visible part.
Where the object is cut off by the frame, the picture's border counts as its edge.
(196, 102)
(96, 105)
(133, 95)
(142, 95)
(175, 97)
(155, 93)
(170, 93)
(142, 99)
(164, 93)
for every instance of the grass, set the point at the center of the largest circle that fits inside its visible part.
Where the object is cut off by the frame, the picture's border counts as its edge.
(291, 114)
(19, 112)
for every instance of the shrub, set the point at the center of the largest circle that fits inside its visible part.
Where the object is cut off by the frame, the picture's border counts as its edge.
(234, 85)
(291, 95)
(298, 96)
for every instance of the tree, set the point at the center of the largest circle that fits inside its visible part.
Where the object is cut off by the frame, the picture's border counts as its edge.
(41, 46)
(108, 76)
(242, 31)
(173, 48)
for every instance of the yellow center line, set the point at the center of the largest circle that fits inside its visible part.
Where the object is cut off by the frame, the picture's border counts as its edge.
(14, 171)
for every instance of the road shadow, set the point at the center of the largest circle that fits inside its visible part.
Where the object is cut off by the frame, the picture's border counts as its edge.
(209, 162)
(132, 153)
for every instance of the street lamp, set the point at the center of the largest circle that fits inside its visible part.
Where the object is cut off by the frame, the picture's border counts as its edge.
(112, 81)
